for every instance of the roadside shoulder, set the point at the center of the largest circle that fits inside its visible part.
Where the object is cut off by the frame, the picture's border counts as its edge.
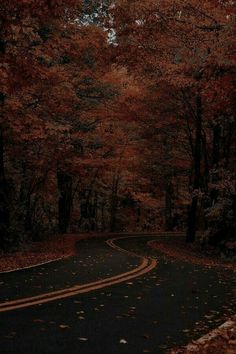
(221, 340)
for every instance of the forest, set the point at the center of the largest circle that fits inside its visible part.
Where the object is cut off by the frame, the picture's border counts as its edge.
(117, 116)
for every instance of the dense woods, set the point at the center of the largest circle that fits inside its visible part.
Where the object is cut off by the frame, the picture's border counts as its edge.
(117, 116)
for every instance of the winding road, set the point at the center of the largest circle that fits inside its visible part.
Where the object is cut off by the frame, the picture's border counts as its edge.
(115, 296)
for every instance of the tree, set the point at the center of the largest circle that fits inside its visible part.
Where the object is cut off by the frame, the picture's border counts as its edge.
(180, 44)
(22, 75)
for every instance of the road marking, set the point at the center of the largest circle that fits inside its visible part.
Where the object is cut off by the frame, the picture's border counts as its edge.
(146, 266)
(130, 235)
(81, 291)
(74, 288)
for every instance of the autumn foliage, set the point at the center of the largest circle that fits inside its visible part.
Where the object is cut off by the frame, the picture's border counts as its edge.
(117, 117)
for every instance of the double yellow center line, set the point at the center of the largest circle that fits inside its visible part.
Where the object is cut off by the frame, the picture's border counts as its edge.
(147, 264)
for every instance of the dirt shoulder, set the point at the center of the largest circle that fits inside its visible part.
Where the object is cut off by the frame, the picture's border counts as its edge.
(177, 248)
(221, 340)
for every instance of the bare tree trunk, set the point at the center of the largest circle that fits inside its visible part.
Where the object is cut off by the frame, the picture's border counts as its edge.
(168, 206)
(192, 218)
(4, 197)
(228, 143)
(95, 206)
(215, 160)
(65, 201)
(103, 224)
(28, 215)
(114, 203)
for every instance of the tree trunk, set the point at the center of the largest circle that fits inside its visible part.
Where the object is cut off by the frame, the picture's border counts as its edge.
(65, 201)
(215, 160)
(228, 143)
(216, 144)
(138, 215)
(103, 224)
(206, 162)
(114, 203)
(28, 215)
(95, 206)
(192, 219)
(4, 202)
(168, 206)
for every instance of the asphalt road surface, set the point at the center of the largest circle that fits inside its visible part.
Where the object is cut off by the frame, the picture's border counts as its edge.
(141, 307)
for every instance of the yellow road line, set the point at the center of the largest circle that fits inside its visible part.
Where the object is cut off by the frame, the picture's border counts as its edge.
(111, 243)
(82, 291)
(147, 265)
(74, 288)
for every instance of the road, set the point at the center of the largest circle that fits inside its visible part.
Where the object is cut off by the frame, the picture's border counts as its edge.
(108, 300)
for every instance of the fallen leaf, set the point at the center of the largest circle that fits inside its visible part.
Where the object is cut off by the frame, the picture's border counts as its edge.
(38, 320)
(64, 326)
(123, 341)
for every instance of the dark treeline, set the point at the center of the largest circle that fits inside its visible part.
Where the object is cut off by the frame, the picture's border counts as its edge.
(117, 118)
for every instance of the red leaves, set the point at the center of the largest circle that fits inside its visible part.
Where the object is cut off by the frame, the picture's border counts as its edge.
(43, 8)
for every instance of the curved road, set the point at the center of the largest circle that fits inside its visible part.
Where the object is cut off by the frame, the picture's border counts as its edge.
(115, 297)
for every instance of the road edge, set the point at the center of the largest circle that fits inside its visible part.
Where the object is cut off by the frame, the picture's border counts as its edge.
(92, 236)
(202, 344)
